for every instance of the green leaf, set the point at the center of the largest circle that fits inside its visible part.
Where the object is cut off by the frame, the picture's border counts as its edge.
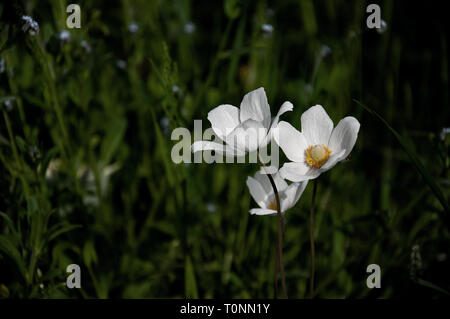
(8, 221)
(89, 253)
(113, 139)
(190, 283)
(48, 157)
(232, 8)
(164, 152)
(32, 205)
(8, 248)
(414, 159)
(61, 229)
(21, 144)
(3, 140)
(3, 35)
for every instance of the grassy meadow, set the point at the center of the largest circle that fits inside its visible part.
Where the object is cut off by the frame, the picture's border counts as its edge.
(86, 175)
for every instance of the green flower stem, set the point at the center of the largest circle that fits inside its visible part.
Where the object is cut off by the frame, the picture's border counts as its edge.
(275, 273)
(280, 228)
(52, 97)
(311, 240)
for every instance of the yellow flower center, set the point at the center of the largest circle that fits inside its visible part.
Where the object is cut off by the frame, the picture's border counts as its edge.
(273, 206)
(317, 155)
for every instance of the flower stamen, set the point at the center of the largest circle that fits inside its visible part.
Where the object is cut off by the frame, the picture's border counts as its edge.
(317, 155)
(273, 206)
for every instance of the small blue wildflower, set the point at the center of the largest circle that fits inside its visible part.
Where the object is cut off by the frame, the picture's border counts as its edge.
(30, 25)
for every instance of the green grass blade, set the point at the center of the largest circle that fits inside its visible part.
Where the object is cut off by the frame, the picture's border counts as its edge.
(414, 159)
(190, 281)
(432, 286)
(7, 247)
(61, 230)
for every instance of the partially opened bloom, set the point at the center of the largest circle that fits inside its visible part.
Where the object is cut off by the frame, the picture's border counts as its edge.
(243, 129)
(262, 192)
(318, 147)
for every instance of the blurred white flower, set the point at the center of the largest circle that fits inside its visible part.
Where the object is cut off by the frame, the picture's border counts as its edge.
(165, 125)
(53, 168)
(383, 27)
(325, 51)
(267, 29)
(308, 88)
(444, 132)
(318, 147)
(211, 207)
(245, 129)
(34, 152)
(262, 192)
(133, 27)
(176, 89)
(85, 45)
(9, 104)
(121, 64)
(64, 36)
(415, 267)
(87, 178)
(30, 25)
(189, 28)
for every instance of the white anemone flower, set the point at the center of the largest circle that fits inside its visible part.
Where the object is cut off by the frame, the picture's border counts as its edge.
(262, 192)
(318, 147)
(244, 129)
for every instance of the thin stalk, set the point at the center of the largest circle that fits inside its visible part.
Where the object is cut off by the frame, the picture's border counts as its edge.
(16, 154)
(275, 274)
(311, 240)
(280, 227)
(14, 90)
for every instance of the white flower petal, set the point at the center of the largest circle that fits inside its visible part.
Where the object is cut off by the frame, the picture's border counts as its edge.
(280, 183)
(218, 148)
(268, 169)
(224, 119)
(247, 136)
(298, 172)
(255, 106)
(292, 194)
(316, 125)
(332, 160)
(291, 141)
(263, 180)
(263, 212)
(286, 107)
(344, 135)
(257, 191)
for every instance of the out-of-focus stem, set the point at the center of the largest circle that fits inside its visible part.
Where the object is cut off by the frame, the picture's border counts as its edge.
(311, 240)
(280, 227)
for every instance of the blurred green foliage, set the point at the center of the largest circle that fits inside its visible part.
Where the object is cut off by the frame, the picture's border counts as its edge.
(86, 175)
